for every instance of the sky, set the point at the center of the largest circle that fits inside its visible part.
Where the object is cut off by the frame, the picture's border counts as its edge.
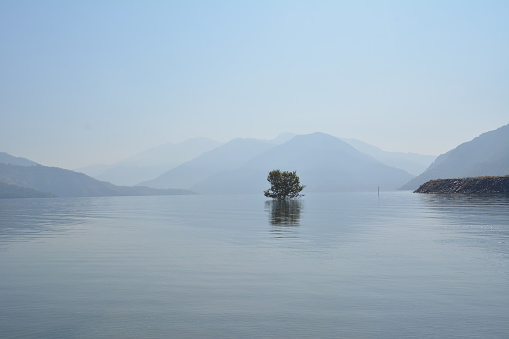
(86, 82)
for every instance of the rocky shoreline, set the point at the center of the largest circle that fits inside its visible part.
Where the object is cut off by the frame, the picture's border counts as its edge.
(479, 185)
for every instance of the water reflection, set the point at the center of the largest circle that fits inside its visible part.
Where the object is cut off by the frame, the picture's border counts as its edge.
(470, 206)
(25, 219)
(284, 212)
(461, 199)
(477, 220)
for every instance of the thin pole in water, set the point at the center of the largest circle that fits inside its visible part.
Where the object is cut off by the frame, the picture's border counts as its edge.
(378, 190)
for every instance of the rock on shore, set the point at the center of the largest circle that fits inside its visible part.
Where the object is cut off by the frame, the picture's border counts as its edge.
(466, 185)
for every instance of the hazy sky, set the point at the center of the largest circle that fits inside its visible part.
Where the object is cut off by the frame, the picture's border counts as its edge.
(85, 82)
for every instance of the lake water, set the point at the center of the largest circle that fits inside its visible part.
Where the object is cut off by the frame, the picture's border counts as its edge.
(356, 265)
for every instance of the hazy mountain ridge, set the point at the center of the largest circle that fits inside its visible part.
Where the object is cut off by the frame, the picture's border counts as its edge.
(412, 163)
(485, 155)
(6, 158)
(8, 189)
(282, 138)
(150, 163)
(239, 166)
(323, 162)
(93, 170)
(223, 158)
(66, 183)
(211, 165)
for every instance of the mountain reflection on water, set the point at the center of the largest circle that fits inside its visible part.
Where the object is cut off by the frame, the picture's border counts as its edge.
(284, 212)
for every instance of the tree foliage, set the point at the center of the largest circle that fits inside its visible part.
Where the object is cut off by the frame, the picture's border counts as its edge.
(283, 185)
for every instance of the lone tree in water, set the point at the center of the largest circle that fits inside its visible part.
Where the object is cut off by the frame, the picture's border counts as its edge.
(283, 185)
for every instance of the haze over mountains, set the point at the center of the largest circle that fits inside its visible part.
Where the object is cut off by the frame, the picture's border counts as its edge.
(214, 172)
(324, 163)
(150, 163)
(485, 155)
(22, 178)
(8, 159)
(413, 163)
(160, 166)
(226, 157)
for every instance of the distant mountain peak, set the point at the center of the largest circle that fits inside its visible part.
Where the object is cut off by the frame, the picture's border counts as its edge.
(226, 157)
(323, 162)
(485, 155)
(154, 161)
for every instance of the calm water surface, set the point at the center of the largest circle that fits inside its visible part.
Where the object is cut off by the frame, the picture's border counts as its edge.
(329, 266)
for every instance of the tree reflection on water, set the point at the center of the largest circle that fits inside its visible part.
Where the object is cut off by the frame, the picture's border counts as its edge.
(284, 212)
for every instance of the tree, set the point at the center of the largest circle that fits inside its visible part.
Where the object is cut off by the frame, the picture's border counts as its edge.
(283, 185)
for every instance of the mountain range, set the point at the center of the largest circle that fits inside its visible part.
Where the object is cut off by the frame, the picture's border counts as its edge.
(324, 163)
(413, 163)
(485, 155)
(224, 158)
(22, 178)
(150, 163)
(159, 166)
(8, 159)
